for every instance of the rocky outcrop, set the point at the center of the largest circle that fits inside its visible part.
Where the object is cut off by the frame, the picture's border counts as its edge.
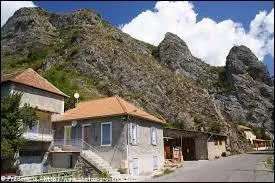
(27, 29)
(174, 52)
(241, 60)
(252, 86)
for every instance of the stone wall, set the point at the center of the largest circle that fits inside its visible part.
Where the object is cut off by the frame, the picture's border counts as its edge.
(86, 168)
(201, 147)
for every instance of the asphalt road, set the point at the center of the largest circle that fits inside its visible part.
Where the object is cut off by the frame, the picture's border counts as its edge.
(238, 168)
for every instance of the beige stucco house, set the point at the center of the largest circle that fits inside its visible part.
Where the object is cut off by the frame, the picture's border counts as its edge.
(247, 132)
(49, 101)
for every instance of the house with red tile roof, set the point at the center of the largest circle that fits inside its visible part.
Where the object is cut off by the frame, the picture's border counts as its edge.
(48, 101)
(112, 134)
(249, 135)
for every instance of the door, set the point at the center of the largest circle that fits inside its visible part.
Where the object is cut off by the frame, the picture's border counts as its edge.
(135, 167)
(86, 135)
(167, 150)
(67, 134)
(188, 149)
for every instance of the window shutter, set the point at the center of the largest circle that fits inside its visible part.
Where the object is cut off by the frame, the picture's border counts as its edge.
(154, 136)
(131, 167)
(151, 133)
(130, 133)
(134, 134)
(137, 127)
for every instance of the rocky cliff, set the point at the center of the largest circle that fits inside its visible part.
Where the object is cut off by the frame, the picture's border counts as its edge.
(81, 52)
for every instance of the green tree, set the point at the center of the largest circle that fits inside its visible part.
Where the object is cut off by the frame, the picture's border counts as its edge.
(15, 119)
(215, 127)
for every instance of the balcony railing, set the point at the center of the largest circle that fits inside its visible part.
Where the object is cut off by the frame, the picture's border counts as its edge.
(73, 144)
(40, 134)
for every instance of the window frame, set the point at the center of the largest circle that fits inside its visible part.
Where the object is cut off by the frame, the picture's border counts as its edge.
(101, 135)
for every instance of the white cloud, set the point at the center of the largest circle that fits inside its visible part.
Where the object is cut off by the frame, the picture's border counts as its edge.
(9, 7)
(206, 39)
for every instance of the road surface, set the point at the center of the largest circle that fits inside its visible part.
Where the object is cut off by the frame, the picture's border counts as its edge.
(248, 167)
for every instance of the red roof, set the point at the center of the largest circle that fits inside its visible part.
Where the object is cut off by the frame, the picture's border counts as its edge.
(111, 106)
(31, 78)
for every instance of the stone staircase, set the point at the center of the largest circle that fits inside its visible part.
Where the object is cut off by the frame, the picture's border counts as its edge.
(99, 163)
(47, 154)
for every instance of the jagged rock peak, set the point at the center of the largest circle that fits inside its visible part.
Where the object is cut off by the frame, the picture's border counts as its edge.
(176, 42)
(241, 60)
(30, 11)
(175, 53)
(86, 11)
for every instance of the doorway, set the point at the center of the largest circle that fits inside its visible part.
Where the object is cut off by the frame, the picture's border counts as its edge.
(188, 149)
(86, 135)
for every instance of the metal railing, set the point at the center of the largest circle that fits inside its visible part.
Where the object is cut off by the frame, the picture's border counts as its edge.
(39, 134)
(78, 144)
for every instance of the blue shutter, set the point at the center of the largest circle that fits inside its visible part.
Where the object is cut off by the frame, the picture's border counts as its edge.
(61, 132)
(106, 134)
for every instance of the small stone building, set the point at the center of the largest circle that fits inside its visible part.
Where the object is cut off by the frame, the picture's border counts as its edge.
(193, 145)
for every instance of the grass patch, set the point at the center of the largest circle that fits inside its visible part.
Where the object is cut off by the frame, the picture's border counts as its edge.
(67, 80)
(155, 52)
(215, 127)
(270, 162)
(222, 84)
(165, 172)
(104, 175)
(23, 60)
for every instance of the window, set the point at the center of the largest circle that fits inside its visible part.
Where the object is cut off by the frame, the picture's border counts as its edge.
(134, 132)
(216, 142)
(155, 162)
(106, 134)
(153, 136)
(35, 128)
(220, 142)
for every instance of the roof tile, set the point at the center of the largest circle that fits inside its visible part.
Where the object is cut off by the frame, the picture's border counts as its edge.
(111, 106)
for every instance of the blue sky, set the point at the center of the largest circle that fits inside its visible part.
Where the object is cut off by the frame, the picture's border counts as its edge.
(118, 13)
